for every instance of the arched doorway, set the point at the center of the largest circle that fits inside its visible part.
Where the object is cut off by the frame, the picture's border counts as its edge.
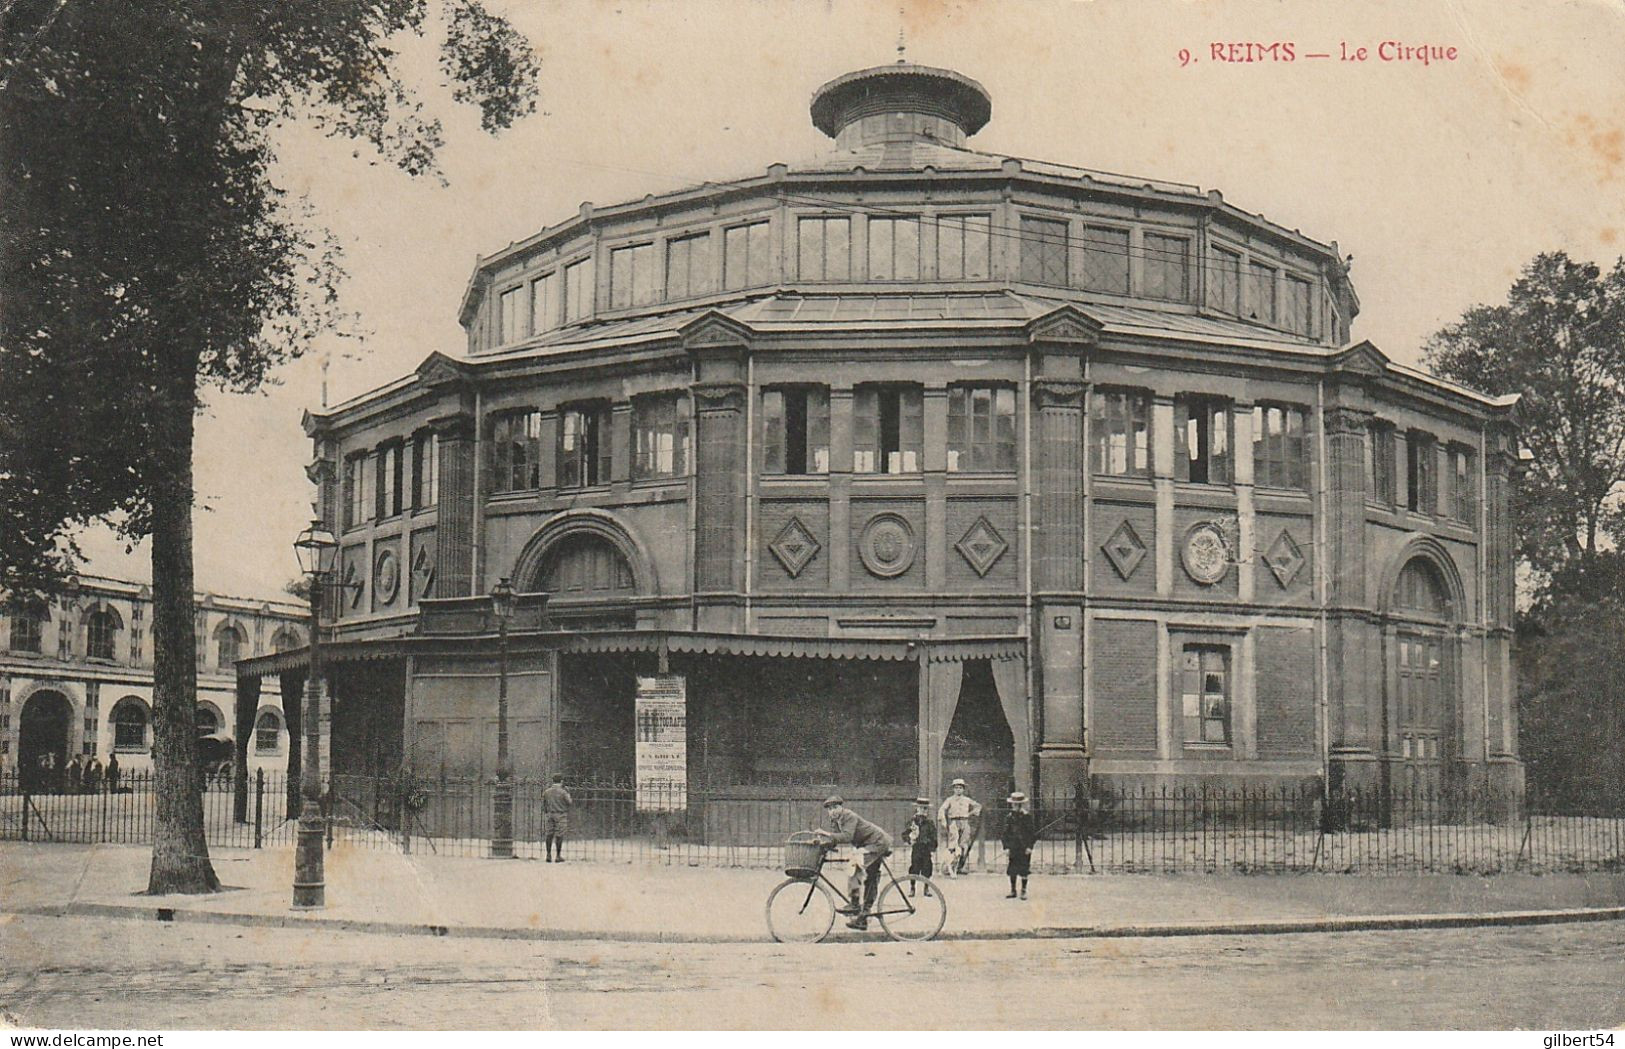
(1424, 668)
(43, 738)
(584, 572)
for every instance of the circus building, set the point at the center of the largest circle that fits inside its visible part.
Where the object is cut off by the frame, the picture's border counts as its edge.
(912, 462)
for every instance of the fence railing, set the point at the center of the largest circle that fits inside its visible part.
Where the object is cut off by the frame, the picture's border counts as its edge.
(1101, 830)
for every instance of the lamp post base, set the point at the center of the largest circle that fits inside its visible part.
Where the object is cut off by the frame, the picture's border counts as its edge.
(309, 878)
(502, 820)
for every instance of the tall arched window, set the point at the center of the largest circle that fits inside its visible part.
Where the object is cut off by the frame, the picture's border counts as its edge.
(130, 720)
(586, 565)
(230, 641)
(102, 627)
(1424, 673)
(207, 720)
(286, 639)
(267, 732)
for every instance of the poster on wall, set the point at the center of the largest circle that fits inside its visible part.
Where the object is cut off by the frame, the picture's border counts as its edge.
(661, 710)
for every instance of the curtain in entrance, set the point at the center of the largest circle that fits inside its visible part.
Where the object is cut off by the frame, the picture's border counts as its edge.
(939, 695)
(1010, 679)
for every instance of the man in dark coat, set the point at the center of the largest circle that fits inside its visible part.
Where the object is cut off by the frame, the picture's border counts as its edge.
(93, 775)
(869, 844)
(112, 773)
(921, 835)
(1020, 833)
(76, 774)
(556, 804)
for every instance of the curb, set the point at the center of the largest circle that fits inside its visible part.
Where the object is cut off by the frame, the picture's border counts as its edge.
(1267, 927)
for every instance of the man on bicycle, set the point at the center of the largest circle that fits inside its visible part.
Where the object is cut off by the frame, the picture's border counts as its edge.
(869, 844)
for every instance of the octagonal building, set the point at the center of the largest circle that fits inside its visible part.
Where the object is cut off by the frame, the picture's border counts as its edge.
(916, 462)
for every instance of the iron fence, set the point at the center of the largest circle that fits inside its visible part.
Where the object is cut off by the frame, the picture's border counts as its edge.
(1081, 831)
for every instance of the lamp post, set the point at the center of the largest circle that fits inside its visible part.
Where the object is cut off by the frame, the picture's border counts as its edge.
(502, 601)
(317, 550)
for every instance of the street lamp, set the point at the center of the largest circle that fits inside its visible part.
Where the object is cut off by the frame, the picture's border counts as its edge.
(317, 550)
(502, 602)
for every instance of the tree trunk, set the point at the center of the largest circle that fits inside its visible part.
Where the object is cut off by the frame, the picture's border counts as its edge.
(180, 852)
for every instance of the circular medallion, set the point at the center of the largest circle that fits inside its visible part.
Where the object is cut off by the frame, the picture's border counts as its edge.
(386, 577)
(887, 545)
(1207, 554)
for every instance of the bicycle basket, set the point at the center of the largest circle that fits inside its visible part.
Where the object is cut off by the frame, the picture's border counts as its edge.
(803, 855)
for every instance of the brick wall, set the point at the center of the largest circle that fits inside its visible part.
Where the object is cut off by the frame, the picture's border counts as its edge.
(1124, 701)
(1285, 663)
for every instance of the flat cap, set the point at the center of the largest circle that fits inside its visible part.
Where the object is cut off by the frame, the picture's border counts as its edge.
(834, 799)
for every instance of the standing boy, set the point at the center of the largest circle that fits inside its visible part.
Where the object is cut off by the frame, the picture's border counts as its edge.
(921, 834)
(958, 817)
(556, 802)
(1020, 832)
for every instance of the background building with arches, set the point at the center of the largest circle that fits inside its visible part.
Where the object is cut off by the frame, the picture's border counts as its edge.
(76, 674)
(920, 461)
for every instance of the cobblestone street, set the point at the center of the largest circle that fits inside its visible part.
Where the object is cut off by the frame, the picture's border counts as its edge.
(81, 973)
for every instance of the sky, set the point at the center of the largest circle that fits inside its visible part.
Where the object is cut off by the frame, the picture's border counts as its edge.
(1441, 180)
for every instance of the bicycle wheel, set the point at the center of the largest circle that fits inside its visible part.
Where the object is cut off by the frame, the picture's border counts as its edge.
(800, 911)
(911, 908)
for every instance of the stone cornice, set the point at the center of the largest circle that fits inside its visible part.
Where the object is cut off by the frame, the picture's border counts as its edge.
(1058, 393)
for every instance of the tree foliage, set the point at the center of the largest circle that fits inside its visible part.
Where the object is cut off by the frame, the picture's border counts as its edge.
(147, 253)
(1559, 341)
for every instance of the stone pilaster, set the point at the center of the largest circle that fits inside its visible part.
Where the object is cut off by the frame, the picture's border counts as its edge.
(454, 529)
(1353, 716)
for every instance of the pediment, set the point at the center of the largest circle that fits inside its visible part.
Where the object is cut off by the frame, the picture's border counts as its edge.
(438, 370)
(715, 328)
(1362, 358)
(1065, 324)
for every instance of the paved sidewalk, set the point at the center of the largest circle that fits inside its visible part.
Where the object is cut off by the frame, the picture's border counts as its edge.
(383, 891)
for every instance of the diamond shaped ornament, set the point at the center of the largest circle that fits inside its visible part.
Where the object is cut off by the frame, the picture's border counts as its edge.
(1124, 550)
(795, 547)
(981, 546)
(1285, 558)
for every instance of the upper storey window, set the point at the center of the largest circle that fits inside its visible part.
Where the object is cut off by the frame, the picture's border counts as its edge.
(1120, 429)
(578, 290)
(824, 248)
(1167, 267)
(1380, 463)
(515, 456)
(26, 629)
(514, 323)
(425, 470)
(584, 446)
(796, 421)
(1462, 501)
(1280, 446)
(544, 303)
(963, 247)
(1202, 440)
(1295, 306)
(101, 634)
(688, 267)
(1226, 293)
(632, 276)
(747, 257)
(982, 429)
(1261, 292)
(1105, 260)
(660, 435)
(1421, 473)
(388, 488)
(1043, 251)
(888, 429)
(357, 491)
(894, 249)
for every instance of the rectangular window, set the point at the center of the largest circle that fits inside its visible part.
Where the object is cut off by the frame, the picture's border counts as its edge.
(1421, 473)
(425, 470)
(357, 508)
(982, 429)
(1261, 292)
(514, 323)
(1043, 252)
(1463, 501)
(632, 276)
(578, 290)
(963, 251)
(1380, 463)
(1167, 267)
(1105, 260)
(584, 446)
(825, 249)
(26, 635)
(747, 260)
(387, 490)
(1202, 440)
(544, 303)
(796, 427)
(894, 249)
(1120, 433)
(688, 267)
(1295, 315)
(888, 429)
(1204, 694)
(1281, 446)
(660, 435)
(515, 453)
(1227, 281)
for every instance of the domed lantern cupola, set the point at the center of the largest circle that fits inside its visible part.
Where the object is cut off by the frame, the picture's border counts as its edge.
(902, 102)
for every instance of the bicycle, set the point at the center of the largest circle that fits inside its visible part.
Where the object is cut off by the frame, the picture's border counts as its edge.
(802, 908)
